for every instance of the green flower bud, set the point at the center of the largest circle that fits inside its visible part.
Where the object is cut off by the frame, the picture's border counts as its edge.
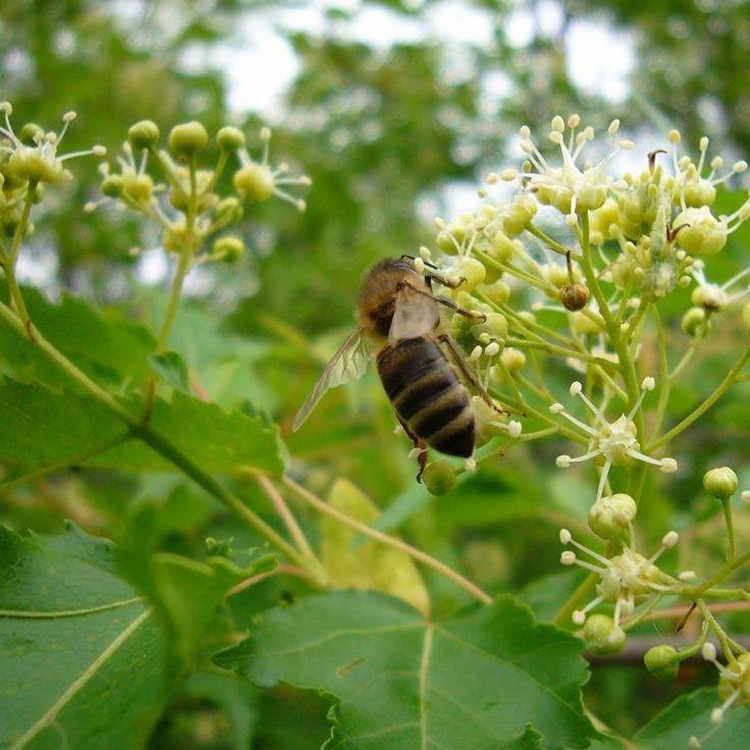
(711, 297)
(144, 134)
(496, 325)
(610, 517)
(694, 322)
(29, 134)
(254, 181)
(601, 636)
(701, 233)
(604, 219)
(513, 359)
(574, 296)
(722, 483)
(230, 139)
(501, 247)
(583, 325)
(229, 248)
(113, 185)
(31, 165)
(498, 292)
(663, 662)
(698, 193)
(470, 269)
(439, 477)
(228, 211)
(187, 139)
(520, 212)
(138, 187)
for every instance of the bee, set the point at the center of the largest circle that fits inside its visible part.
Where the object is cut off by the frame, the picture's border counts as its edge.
(398, 320)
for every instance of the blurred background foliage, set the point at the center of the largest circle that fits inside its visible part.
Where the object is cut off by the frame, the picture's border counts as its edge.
(396, 109)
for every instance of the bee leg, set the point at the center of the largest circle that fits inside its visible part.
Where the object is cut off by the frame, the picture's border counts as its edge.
(419, 445)
(468, 374)
(444, 281)
(481, 317)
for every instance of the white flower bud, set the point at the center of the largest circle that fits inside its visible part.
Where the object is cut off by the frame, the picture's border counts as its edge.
(565, 536)
(670, 539)
(648, 384)
(708, 651)
(563, 461)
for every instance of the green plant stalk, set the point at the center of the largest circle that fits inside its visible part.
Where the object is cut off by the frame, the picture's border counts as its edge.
(156, 440)
(726, 506)
(625, 361)
(686, 359)
(184, 264)
(718, 630)
(10, 265)
(664, 384)
(723, 573)
(532, 229)
(704, 406)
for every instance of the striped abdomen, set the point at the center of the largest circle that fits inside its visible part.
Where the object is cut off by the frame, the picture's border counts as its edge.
(427, 395)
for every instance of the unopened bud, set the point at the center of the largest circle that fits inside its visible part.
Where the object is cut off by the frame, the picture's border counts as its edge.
(601, 635)
(229, 249)
(513, 359)
(662, 661)
(694, 322)
(230, 139)
(30, 133)
(187, 139)
(439, 477)
(112, 186)
(144, 134)
(722, 483)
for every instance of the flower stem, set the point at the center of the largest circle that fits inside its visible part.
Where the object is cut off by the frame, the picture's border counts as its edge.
(726, 506)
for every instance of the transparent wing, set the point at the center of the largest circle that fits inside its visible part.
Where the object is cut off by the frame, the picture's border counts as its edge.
(348, 364)
(416, 315)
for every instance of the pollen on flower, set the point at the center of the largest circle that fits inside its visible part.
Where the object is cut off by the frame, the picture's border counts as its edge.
(616, 441)
(259, 181)
(39, 161)
(625, 579)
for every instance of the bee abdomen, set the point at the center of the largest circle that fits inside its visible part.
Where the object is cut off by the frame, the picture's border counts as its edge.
(427, 395)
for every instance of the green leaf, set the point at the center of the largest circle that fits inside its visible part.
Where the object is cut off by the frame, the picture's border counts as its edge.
(690, 715)
(184, 592)
(370, 565)
(479, 678)
(80, 654)
(42, 426)
(171, 369)
(106, 345)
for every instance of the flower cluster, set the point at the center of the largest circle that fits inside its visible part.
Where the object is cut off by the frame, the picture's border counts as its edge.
(571, 265)
(183, 200)
(30, 159)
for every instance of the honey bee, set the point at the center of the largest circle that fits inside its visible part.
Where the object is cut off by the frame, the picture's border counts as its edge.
(398, 319)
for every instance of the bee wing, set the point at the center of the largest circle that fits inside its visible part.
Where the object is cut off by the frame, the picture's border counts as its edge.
(416, 315)
(348, 364)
